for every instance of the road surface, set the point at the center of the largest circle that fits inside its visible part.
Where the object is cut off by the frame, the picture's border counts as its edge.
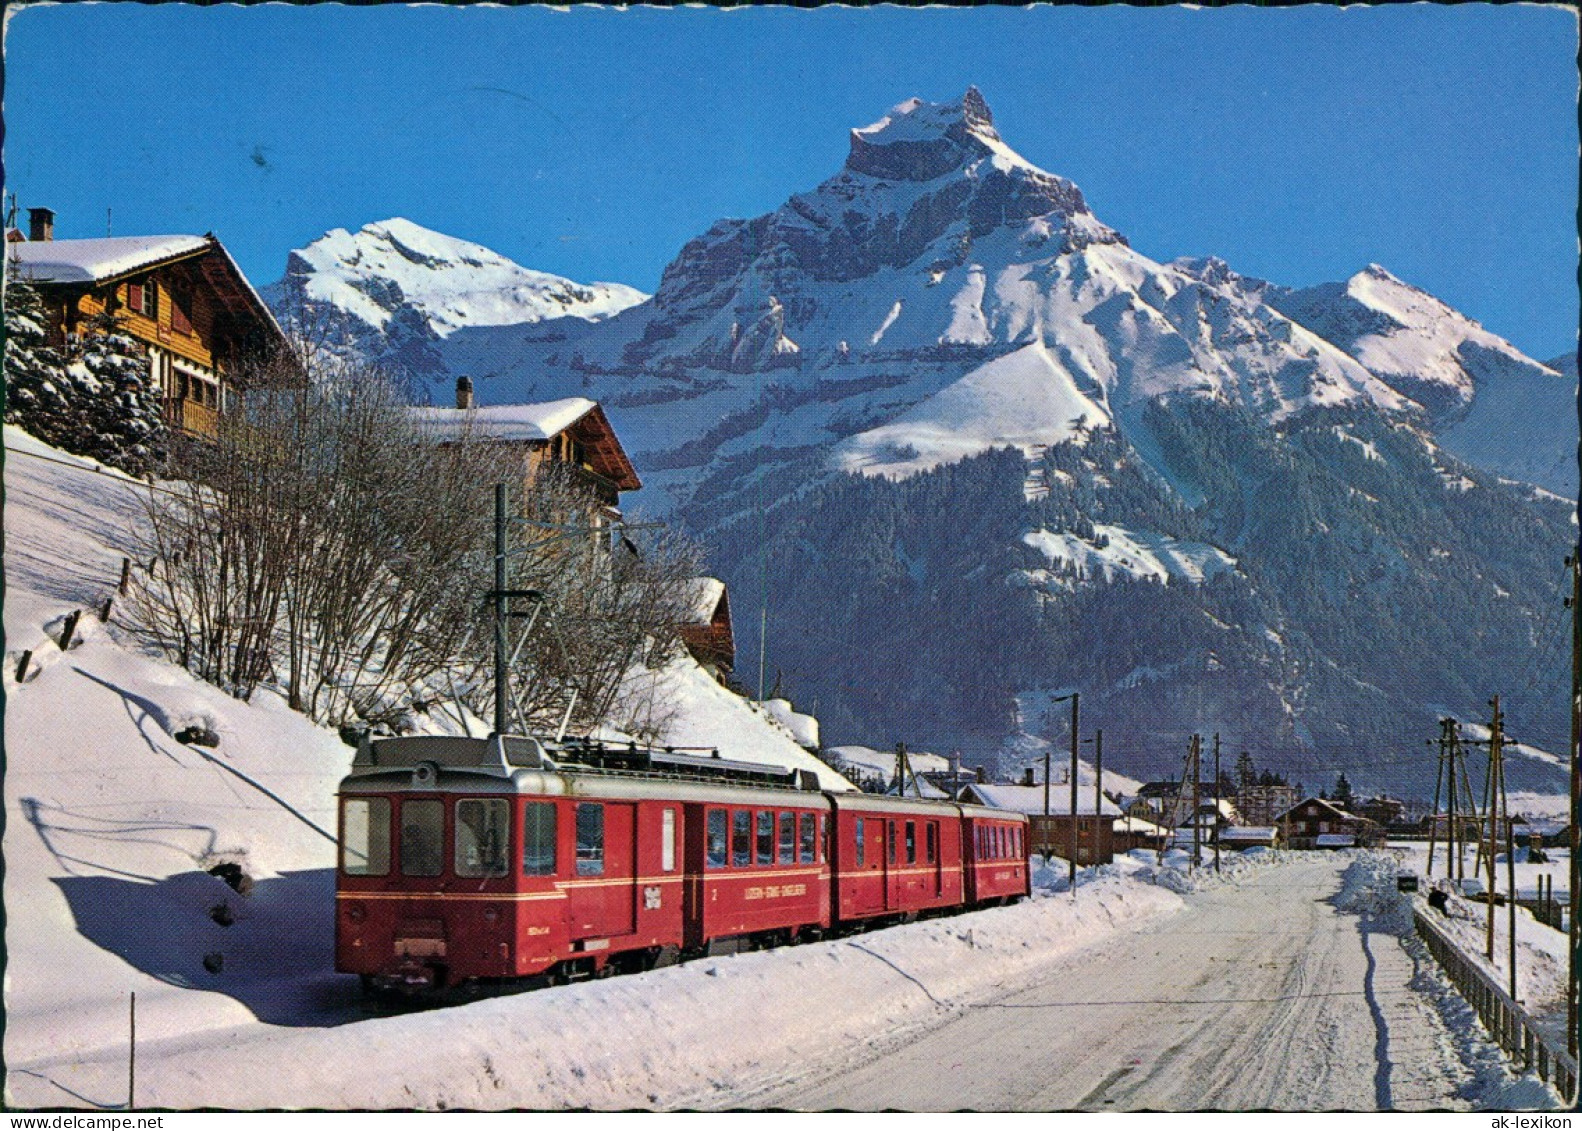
(1261, 995)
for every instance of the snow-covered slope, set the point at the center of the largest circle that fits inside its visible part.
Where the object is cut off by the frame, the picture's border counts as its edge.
(1492, 405)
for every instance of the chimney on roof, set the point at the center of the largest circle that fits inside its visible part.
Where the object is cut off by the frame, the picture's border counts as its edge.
(1027, 776)
(464, 392)
(41, 224)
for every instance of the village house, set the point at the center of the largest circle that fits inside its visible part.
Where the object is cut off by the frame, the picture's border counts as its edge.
(707, 631)
(1261, 805)
(1050, 818)
(183, 297)
(572, 433)
(1316, 823)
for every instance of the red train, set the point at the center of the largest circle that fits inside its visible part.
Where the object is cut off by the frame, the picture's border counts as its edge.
(469, 860)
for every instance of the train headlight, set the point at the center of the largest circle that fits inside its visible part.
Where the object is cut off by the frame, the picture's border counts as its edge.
(356, 912)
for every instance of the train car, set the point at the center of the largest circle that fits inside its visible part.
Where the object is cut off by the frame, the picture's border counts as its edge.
(465, 859)
(894, 857)
(997, 868)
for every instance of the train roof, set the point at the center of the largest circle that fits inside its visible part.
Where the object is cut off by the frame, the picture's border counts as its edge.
(577, 767)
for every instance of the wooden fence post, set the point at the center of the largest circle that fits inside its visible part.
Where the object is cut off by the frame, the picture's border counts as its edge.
(126, 576)
(69, 629)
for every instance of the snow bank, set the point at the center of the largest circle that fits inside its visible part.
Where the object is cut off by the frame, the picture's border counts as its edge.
(694, 1035)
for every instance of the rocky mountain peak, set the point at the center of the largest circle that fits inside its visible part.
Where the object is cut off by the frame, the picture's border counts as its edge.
(920, 141)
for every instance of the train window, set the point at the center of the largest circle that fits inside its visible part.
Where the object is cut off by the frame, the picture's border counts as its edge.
(422, 838)
(933, 841)
(538, 838)
(766, 837)
(667, 840)
(891, 839)
(823, 839)
(809, 838)
(481, 836)
(911, 842)
(365, 836)
(788, 838)
(718, 851)
(862, 848)
(741, 838)
(590, 839)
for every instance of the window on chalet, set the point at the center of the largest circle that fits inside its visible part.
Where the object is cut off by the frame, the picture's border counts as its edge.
(143, 298)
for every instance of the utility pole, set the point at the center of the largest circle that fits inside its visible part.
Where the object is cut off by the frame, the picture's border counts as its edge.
(1494, 758)
(1216, 801)
(1076, 700)
(1197, 800)
(500, 601)
(1433, 818)
(1098, 789)
(1453, 835)
(1497, 744)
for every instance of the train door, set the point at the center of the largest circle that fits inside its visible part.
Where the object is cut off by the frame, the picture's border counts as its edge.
(602, 893)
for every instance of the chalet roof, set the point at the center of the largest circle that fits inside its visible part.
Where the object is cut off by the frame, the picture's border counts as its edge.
(1334, 809)
(92, 263)
(1030, 799)
(707, 593)
(1131, 825)
(1248, 832)
(537, 423)
(98, 261)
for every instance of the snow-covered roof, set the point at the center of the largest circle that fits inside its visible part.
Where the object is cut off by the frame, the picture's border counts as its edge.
(508, 421)
(1248, 832)
(1030, 799)
(94, 261)
(706, 594)
(1138, 825)
(1335, 840)
(869, 760)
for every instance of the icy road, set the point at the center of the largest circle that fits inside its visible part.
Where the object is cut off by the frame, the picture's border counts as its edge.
(1260, 995)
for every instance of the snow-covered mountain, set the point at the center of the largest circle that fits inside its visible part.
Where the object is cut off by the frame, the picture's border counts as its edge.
(1490, 404)
(394, 286)
(1191, 448)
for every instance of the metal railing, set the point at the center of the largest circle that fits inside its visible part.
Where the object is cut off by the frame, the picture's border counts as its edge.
(1510, 1025)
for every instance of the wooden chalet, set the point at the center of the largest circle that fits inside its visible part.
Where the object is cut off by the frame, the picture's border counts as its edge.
(572, 432)
(1316, 823)
(1050, 823)
(183, 297)
(707, 634)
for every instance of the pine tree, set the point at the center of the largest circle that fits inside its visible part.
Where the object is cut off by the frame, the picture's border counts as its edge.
(97, 401)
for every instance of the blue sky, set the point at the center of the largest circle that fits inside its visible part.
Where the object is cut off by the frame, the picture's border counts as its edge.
(1298, 144)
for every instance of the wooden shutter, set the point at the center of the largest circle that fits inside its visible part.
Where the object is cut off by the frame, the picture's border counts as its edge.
(134, 296)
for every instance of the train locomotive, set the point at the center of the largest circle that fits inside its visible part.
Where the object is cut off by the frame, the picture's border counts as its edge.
(507, 860)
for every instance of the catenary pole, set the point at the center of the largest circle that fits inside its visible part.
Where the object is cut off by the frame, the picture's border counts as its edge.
(1494, 757)
(1076, 701)
(1433, 819)
(501, 697)
(1572, 980)
(1216, 801)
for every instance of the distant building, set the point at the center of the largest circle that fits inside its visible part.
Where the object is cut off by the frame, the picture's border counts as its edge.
(1051, 835)
(572, 433)
(1316, 823)
(182, 297)
(707, 633)
(1249, 836)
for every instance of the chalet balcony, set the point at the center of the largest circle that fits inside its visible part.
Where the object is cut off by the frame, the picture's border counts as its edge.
(191, 418)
